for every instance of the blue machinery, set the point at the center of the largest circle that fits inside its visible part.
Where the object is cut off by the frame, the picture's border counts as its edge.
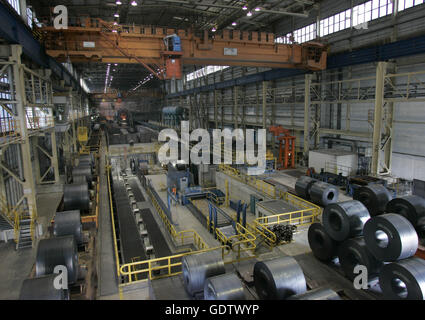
(215, 211)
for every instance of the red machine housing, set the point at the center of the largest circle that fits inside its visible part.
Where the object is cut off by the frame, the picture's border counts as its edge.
(286, 158)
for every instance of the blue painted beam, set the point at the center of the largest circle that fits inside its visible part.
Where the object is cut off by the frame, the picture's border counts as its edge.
(384, 52)
(14, 31)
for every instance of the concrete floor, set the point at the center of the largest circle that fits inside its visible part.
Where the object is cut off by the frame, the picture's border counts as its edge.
(107, 270)
(16, 266)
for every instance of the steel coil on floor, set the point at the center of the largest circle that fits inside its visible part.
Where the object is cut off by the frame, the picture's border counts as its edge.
(303, 186)
(83, 170)
(354, 252)
(403, 280)
(323, 193)
(68, 223)
(375, 197)
(279, 278)
(345, 220)
(390, 237)
(198, 267)
(42, 288)
(86, 158)
(411, 207)
(55, 252)
(317, 294)
(224, 287)
(321, 244)
(76, 197)
(81, 180)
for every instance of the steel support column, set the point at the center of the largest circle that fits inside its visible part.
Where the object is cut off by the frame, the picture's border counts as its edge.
(29, 186)
(378, 117)
(308, 78)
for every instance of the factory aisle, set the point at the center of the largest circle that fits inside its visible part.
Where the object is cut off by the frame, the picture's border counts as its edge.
(107, 276)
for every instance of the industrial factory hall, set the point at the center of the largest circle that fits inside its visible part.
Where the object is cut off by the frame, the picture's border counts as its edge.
(200, 157)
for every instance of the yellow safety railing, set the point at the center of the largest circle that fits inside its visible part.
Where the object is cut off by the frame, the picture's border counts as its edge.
(111, 208)
(178, 236)
(303, 217)
(172, 265)
(242, 241)
(260, 185)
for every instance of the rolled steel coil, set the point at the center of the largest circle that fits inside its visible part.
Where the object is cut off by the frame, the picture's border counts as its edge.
(317, 294)
(323, 193)
(76, 197)
(411, 207)
(321, 244)
(353, 252)
(279, 278)
(390, 237)
(87, 158)
(42, 288)
(83, 170)
(303, 186)
(198, 267)
(68, 223)
(345, 220)
(57, 251)
(224, 287)
(403, 280)
(375, 197)
(81, 180)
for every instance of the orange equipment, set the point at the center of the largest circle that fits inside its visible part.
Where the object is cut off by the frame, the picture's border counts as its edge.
(99, 41)
(286, 147)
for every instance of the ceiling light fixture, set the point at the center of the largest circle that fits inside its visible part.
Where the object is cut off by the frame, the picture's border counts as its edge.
(134, 3)
(116, 15)
(118, 3)
(249, 14)
(213, 29)
(234, 23)
(244, 8)
(115, 23)
(257, 9)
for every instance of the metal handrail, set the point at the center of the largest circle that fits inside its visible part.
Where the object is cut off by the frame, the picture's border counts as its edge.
(130, 270)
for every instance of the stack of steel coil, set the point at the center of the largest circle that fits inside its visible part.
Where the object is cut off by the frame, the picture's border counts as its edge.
(279, 278)
(224, 287)
(198, 267)
(83, 170)
(411, 207)
(393, 240)
(60, 251)
(42, 288)
(342, 236)
(303, 186)
(76, 197)
(68, 223)
(375, 197)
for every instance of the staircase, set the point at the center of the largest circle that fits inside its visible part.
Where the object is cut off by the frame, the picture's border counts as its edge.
(5, 223)
(25, 236)
(17, 219)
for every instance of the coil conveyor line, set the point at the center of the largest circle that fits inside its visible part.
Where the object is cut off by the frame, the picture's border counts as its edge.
(130, 240)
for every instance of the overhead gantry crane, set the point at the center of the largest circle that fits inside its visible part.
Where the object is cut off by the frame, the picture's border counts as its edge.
(95, 40)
